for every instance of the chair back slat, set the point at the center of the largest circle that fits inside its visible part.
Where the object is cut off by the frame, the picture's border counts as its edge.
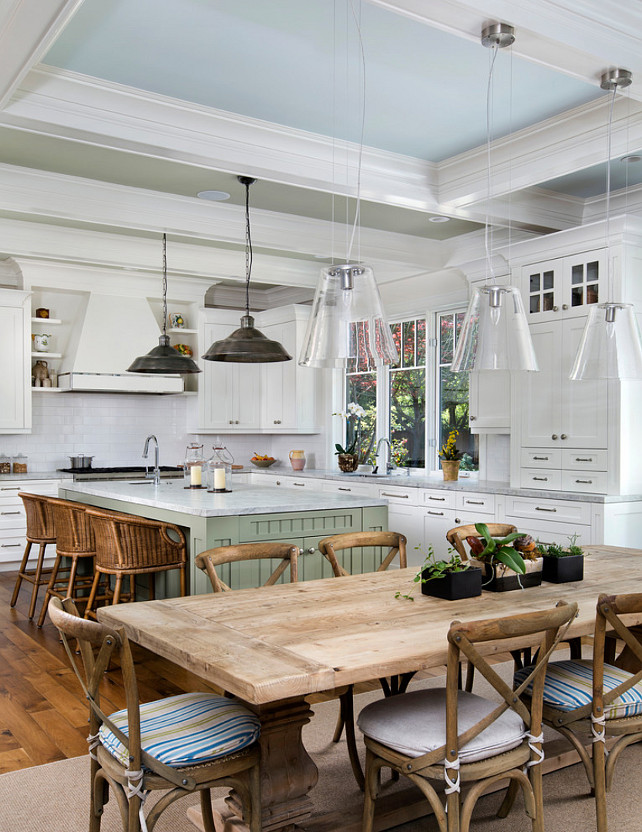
(73, 530)
(395, 542)
(288, 553)
(41, 526)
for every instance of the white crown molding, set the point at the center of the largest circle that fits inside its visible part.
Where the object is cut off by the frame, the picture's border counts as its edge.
(625, 201)
(27, 30)
(69, 199)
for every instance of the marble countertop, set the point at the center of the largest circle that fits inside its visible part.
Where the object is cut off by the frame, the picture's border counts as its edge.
(35, 475)
(464, 484)
(244, 499)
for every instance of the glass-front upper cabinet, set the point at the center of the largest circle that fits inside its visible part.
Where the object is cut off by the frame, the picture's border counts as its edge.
(565, 286)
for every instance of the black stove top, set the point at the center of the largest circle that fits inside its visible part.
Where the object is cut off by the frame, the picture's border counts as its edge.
(121, 469)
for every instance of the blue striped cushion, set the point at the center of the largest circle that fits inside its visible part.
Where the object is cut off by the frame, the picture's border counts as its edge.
(187, 729)
(569, 685)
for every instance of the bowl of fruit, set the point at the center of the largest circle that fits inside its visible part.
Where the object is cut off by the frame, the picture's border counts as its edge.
(262, 460)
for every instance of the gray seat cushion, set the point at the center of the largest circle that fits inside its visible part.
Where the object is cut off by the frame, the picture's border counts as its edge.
(415, 724)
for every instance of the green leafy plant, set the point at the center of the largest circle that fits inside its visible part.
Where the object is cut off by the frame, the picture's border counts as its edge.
(432, 569)
(497, 549)
(354, 413)
(556, 550)
(449, 449)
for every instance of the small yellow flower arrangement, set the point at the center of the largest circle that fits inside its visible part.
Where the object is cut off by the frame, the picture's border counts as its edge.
(449, 449)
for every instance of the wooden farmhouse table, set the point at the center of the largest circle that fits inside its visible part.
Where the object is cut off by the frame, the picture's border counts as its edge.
(273, 646)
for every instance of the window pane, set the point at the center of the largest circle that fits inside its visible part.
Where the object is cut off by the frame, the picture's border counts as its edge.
(408, 417)
(396, 337)
(446, 339)
(409, 344)
(361, 388)
(421, 342)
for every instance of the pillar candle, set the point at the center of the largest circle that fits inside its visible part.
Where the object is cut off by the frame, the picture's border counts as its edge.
(195, 475)
(219, 479)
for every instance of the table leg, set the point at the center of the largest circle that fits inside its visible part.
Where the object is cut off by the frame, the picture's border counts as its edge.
(287, 773)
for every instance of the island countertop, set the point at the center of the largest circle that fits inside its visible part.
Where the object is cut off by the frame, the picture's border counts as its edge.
(170, 495)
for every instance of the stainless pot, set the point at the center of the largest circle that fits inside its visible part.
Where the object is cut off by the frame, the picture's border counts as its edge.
(81, 461)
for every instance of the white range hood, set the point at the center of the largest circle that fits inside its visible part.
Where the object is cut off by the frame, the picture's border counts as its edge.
(113, 332)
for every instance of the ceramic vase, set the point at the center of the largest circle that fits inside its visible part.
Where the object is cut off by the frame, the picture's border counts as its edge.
(450, 467)
(348, 462)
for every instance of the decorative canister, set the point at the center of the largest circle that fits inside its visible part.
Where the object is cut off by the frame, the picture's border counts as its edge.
(5, 464)
(41, 342)
(39, 373)
(297, 460)
(219, 476)
(193, 466)
(20, 464)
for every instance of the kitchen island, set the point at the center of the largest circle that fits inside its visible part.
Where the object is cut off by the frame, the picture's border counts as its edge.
(248, 514)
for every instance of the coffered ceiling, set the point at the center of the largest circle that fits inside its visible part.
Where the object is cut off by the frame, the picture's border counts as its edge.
(116, 114)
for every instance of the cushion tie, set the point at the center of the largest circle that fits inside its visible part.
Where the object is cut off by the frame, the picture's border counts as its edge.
(532, 739)
(135, 789)
(598, 736)
(93, 741)
(451, 785)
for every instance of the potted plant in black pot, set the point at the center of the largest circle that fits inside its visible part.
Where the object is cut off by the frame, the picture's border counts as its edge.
(510, 562)
(563, 563)
(451, 579)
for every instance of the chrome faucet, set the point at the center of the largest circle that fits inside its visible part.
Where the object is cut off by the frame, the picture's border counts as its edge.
(156, 474)
(389, 465)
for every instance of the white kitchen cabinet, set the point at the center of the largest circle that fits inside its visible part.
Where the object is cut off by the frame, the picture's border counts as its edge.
(563, 287)
(15, 361)
(489, 401)
(13, 521)
(229, 392)
(277, 397)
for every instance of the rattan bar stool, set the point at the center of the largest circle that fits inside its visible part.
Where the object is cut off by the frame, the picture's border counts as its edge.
(129, 546)
(41, 529)
(74, 540)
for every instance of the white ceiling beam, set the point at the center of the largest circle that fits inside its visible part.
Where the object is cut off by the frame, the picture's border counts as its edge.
(27, 30)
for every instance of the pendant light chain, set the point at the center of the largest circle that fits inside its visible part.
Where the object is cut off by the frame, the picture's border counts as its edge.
(164, 284)
(248, 247)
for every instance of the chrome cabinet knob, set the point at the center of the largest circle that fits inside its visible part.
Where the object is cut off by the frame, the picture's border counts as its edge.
(457, 519)
(565, 306)
(556, 309)
(563, 436)
(472, 418)
(554, 436)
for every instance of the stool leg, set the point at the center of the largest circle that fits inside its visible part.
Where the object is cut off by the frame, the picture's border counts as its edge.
(36, 580)
(92, 594)
(117, 589)
(21, 571)
(183, 571)
(50, 587)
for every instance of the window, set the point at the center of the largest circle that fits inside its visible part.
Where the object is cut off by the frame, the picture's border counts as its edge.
(407, 395)
(452, 393)
(361, 388)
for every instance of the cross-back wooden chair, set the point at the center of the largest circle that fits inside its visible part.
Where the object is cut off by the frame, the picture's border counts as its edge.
(127, 546)
(457, 737)
(182, 744)
(287, 552)
(329, 547)
(457, 539)
(599, 699)
(41, 529)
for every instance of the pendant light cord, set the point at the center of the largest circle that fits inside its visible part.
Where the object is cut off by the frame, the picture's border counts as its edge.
(248, 248)
(164, 285)
(607, 226)
(357, 212)
(488, 242)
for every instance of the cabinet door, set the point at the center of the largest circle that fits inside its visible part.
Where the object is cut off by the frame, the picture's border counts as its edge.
(489, 397)
(539, 394)
(15, 390)
(542, 290)
(584, 282)
(217, 385)
(247, 395)
(278, 406)
(584, 403)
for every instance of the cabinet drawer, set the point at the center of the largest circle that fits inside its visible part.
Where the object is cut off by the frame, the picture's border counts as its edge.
(560, 511)
(402, 496)
(483, 503)
(11, 548)
(584, 460)
(548, 532)
(441, 499)
(297, 482)
(538, 458)
(11, 517)
(594, 482)
(546, 478)
(359, 489)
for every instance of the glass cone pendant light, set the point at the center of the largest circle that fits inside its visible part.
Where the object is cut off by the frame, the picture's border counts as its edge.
(247, 345)
(495, 334)
(347, 321)
(164, 359)
(610, 346)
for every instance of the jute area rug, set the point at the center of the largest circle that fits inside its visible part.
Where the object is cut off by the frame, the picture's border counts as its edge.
(54, 797)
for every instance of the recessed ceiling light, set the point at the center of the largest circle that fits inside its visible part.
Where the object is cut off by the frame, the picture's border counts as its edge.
(630, 159)
(438, 218)
(214, 196)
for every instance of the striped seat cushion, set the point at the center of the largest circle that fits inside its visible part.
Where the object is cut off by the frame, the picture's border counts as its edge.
(187, 729)
(569, 685)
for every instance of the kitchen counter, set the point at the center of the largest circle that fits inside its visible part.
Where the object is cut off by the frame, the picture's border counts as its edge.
(462, 485)
(35, 475)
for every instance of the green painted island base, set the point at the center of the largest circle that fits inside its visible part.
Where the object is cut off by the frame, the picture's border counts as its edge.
(302, 528)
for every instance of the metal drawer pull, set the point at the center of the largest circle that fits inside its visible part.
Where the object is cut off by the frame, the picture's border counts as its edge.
(300, 484)
(10, 512)
(474, 502)
(438, 513)
(343, 488)
(399, 496)
(10, 488)
(541, 479)
(542, 458)
(539, 508)
(11, 546)
(587, 482)
(583, 459)
(439, 499)
(310, 551)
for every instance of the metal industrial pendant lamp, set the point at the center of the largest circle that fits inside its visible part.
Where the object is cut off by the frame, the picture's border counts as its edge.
(164, 359)
(494, 334)
(610, 346)
(247, 345)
